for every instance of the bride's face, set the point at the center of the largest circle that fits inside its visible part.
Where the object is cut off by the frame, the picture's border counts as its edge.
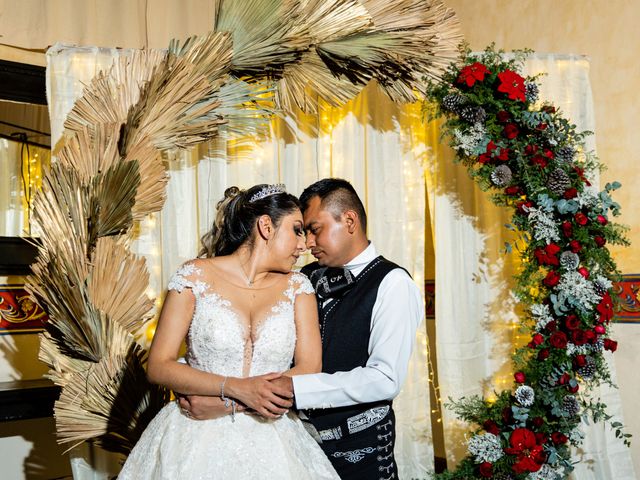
(288, 243)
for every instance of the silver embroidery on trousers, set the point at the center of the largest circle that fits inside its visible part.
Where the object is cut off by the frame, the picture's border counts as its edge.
(367, 419)
(385, 447)
(354, 456)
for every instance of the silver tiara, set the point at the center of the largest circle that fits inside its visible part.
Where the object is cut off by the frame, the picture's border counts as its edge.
(267, 191)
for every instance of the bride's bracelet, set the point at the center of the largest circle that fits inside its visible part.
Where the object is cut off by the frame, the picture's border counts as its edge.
(225, 399)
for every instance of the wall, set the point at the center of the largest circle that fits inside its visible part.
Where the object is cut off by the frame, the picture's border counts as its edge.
(607, 31)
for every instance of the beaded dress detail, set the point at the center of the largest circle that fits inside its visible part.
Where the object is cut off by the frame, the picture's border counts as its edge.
(176, 447)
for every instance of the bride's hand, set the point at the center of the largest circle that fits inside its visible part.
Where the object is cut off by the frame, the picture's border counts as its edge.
(266, 398)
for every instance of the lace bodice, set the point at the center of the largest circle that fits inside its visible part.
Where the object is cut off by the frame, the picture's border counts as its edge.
(219, 342)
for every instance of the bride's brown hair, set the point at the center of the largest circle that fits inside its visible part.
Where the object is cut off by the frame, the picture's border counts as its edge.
(237, 215)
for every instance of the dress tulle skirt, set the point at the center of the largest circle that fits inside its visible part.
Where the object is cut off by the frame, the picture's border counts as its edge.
(176, 447)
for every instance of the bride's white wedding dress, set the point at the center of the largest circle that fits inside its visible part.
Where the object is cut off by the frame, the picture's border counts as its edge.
(176, 447)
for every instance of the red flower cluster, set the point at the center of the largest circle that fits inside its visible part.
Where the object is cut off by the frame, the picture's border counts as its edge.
(512, 84)
(605, 309)
(473, 73)
(493, 152)
(530, 454)
(548, 254)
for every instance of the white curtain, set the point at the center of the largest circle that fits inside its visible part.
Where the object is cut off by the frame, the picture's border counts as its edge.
(476, 317)
(371, 142)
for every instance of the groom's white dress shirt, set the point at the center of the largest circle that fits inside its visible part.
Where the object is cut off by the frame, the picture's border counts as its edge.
(397, 313)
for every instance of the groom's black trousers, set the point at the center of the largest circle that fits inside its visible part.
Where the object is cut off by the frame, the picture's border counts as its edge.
(365, 455)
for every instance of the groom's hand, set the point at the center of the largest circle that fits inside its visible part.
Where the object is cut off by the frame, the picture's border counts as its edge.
(201, 407)
(284, 383)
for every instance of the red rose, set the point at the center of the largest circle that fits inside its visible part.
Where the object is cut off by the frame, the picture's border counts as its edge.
(590, 336)
(605, 308)
(578, 338)
(558, 340)
(580, 361)
(573, 389)
(602, 220)
(599, 329)
(551, 326)
(537, 422)
(600, 241)
(539, 160)
(543, 354)
(611, 345)
(510, 131)
(548, 153)
(486, 469)
(572, 322)
(538, 339)
(503, 117)
(575, 246)
(552, 279)
(559, 438)
(530, 149)
(541, 127)
(512, 190)
(512, 84)
(491, 427)
(541, 438)
(584, 272)
(570, 193)
(567, 229)
(581, 218)
(507, 415)
(519, 377)
(473, 73)
(564, 379)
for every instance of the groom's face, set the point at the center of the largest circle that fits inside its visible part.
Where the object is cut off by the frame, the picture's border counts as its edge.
(327, 236)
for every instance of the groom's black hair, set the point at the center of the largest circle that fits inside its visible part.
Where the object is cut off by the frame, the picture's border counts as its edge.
(336, 195)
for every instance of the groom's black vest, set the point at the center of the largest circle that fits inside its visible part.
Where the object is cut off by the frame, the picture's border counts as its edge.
(346, 327)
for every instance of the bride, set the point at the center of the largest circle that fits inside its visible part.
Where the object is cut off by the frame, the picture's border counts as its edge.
(246, 319)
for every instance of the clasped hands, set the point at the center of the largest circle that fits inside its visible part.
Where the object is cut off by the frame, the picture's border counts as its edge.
(269, 395)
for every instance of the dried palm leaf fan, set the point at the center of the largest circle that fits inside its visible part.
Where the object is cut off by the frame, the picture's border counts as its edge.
(409, 40)
(107, 173)
(301, 82)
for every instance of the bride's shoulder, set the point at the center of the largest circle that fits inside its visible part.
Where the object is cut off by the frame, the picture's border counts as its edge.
(190, 274)
(300, 282)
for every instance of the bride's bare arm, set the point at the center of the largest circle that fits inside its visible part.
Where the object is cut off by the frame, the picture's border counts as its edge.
(307, 357)
(270, 400)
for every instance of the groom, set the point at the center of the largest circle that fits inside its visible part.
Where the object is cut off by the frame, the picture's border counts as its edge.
(369, 310)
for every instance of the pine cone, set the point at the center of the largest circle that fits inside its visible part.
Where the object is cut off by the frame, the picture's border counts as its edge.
(473, 114)
(531, 92)
(453, 102)
(501, 176)
(599, 288)
(570, 405)
(565, 154)
(588, 369)
(569, 260)
(558, 181)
